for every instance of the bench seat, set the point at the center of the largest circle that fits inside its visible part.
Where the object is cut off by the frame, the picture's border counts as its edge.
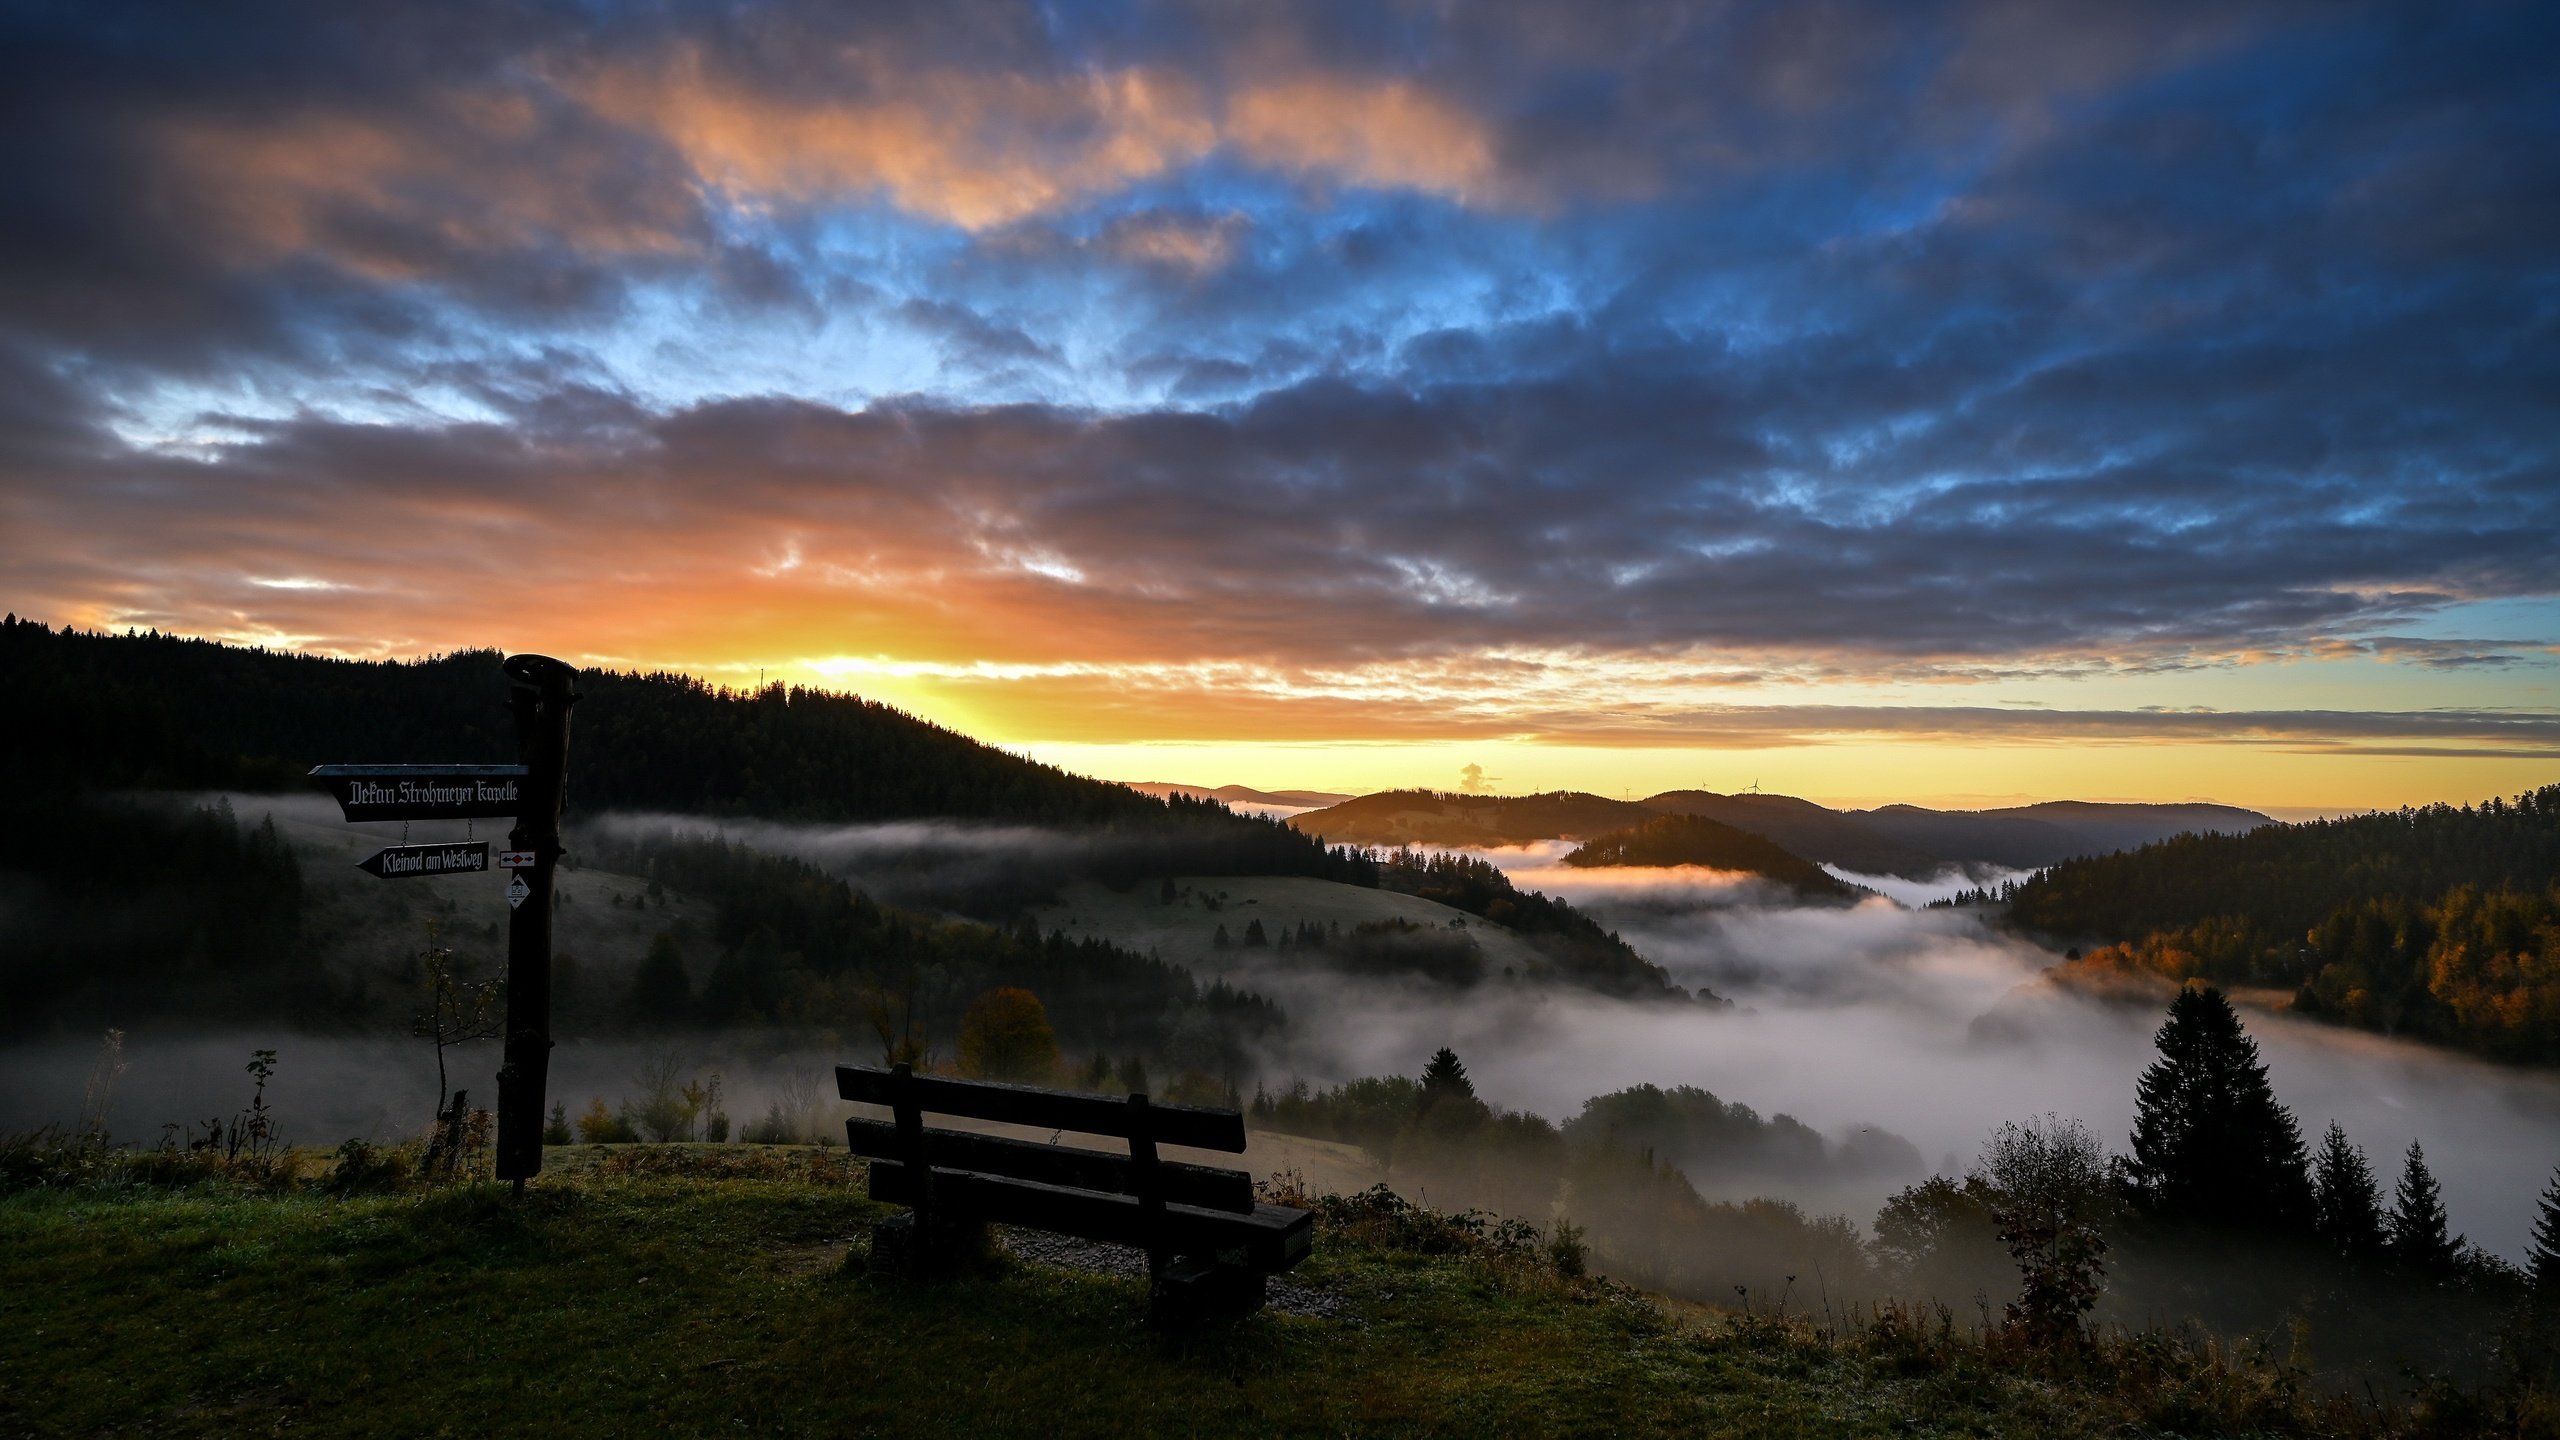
(1272, 1238)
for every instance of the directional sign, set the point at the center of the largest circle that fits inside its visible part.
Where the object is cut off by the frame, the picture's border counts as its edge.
(517, 859)
(423, 792)
(403, 862)
(517, 890)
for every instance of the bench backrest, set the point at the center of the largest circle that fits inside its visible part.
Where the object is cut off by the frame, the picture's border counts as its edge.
(1139, 1173)
(1195, 1126)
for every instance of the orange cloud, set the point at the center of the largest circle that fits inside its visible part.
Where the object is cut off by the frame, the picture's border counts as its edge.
(972, 149)
(613, 159)
(1390, 134)
(396, 197)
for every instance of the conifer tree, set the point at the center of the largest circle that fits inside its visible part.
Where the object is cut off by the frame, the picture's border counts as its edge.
(660, 993)
(2419, 1234)
(2349, 1200)
(1445, 1077)
(2210, 1142)
(2543, 1263)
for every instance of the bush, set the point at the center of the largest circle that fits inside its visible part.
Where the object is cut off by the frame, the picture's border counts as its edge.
(600, 1126)
(364, 1168)
(1006, 1036)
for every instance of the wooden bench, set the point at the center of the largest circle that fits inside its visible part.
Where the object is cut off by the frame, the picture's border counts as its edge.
(1209, 1244)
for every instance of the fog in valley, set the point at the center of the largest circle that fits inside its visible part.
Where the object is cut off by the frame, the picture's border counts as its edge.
(1866, 1016)
(1923, 1023)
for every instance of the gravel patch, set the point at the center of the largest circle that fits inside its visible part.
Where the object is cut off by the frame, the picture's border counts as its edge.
(1065, 1252)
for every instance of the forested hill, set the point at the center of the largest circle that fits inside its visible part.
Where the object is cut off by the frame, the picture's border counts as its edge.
(1903, 840)
(1393, 818)
(2442, 922)
(1697, 840)
(156, 711)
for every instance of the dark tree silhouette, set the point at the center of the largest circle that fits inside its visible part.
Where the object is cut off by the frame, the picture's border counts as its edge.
(1254, 935)
(1446, 1078)
(2210, 1142)
(2349, 1215)
(660, 993)
(2543, 1264)
(2420, 1236)
(2542, 1272)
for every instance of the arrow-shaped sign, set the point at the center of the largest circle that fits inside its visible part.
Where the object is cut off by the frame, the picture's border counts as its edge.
(406, 862)
(423, 792)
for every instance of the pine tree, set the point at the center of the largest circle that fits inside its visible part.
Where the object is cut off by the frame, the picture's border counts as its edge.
(2419, 1234)
(1254, 934)
(1446, 1077)
(2210, 1142)
(660, 993)
(2543, 1264)
(2348, 1198)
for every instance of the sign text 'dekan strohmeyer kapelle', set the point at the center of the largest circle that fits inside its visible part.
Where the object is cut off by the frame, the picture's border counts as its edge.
(423, 792)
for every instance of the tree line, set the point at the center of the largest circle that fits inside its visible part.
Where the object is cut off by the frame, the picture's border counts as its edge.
(2441, 923)
(154, 711)
(2218, 1212)
(792, 946)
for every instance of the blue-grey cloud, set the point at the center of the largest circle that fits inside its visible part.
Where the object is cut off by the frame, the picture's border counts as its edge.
(1973, 333)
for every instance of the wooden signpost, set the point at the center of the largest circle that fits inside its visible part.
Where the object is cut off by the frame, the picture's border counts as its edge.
(533, 792)
(540, 695)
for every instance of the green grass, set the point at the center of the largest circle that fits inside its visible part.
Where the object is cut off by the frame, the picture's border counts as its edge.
(697, 1304)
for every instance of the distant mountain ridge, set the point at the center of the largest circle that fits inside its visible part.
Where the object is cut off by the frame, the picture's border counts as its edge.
(1902, 840)
(1238, 794)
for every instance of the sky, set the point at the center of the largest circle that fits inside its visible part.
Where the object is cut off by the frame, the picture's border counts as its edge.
(1957, 402)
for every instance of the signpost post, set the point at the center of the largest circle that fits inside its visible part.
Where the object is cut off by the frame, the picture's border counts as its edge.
(533, 792)
(541, 697)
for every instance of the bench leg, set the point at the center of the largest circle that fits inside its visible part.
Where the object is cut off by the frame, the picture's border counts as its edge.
(907, 1249)
(1192, 1290)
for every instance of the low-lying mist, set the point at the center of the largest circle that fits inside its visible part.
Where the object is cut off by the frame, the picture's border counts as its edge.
(1865, 1016)
(1845, 1018)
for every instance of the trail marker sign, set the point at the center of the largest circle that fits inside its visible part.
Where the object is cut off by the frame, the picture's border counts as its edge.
(424, 792)
(517, 890)
(518, 860)
(405, 862)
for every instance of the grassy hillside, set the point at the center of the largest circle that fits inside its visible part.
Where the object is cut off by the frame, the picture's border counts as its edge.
(697, 1291)
(1697, 840)
(2440, 922)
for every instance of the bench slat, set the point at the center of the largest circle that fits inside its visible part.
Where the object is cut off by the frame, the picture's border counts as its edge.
(1195, 1126)
(1206, 1186)
(1273, 1237)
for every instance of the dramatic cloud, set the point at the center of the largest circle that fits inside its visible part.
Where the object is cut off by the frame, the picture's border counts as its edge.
(1327, 372)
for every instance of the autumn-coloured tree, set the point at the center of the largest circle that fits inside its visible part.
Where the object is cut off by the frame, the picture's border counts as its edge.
(1005, 1035)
